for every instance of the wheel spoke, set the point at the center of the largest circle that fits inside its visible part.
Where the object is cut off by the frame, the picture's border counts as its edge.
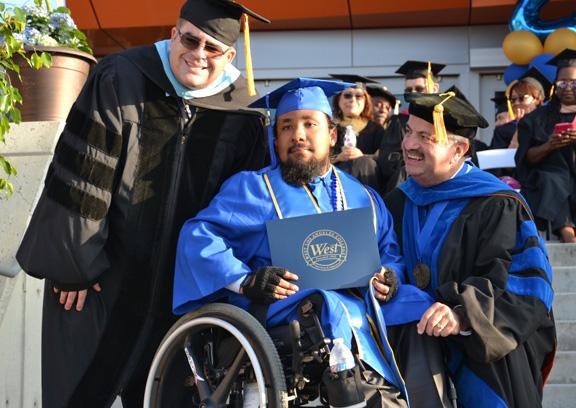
(200, 382)
(221, 393)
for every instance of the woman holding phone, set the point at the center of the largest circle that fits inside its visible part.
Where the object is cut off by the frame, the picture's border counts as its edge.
(546, 154)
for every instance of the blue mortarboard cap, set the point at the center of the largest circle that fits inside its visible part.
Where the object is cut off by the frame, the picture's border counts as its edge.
(302, 94)
(299, 94)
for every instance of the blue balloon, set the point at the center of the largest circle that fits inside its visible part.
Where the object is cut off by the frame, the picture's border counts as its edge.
(540, 61)
(513, 72)
(526, 16)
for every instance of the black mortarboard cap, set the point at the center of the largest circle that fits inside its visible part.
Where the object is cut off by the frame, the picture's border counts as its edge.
(372, 86)
(357, 79)
(500, 101)
(217, 18)
(538, 79)
(566, 58)
(419, 69)
(460, 117)
(379, 91)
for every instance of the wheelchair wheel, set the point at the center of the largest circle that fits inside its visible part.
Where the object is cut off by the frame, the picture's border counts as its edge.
(207, 358)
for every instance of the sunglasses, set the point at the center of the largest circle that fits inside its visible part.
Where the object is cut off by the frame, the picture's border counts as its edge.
(565, 84)
(192, 43)
(349, 95)
(524, 99)
(417, 89)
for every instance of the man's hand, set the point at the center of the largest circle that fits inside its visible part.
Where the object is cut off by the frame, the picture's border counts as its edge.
(439, 320)
(385, 284)
(67, 298)
(268, 284)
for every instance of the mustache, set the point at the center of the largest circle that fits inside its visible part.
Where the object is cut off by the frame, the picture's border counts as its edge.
(299, 146)
(413, 152)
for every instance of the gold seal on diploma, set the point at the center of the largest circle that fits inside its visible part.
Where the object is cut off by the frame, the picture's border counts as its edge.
(324, 250)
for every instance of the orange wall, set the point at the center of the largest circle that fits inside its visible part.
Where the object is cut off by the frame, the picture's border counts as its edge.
(125, 23)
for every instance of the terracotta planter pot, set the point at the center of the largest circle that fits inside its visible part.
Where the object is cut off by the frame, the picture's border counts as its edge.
(48, 93)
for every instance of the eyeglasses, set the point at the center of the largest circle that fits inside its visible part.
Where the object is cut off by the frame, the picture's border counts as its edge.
(524, 99)
(565, 84)
(192, 43)
(349, 95)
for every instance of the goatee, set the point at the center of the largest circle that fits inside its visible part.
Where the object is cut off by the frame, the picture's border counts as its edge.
(298, 173)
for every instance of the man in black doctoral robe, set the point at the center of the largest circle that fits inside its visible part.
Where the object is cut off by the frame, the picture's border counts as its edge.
(154, 133)
(470, 241)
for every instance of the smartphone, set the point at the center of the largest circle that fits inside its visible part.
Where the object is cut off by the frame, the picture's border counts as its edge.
(562, 127)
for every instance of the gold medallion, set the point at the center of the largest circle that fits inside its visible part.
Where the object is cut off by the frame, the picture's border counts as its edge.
(421, 275)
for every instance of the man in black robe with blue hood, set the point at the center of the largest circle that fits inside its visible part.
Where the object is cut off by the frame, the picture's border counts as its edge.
(154, 133)
(470, 242)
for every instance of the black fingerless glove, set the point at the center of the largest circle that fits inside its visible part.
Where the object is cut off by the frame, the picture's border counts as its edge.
(391, 280)
(259, 286)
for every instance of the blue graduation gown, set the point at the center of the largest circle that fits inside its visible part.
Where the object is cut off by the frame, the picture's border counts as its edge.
(228, 239)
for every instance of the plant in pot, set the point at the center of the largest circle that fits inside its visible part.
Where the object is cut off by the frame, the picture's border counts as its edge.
(29, 37)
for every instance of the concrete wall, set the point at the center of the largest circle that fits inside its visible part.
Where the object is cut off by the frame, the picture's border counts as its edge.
(29, 146)
(473, 56)
(20, 324)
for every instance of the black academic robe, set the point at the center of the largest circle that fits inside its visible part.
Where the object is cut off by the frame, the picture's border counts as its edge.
(549, 186)
(132, 164)
(511, 347)
(368, 141)
(502, 135)
(390, 161)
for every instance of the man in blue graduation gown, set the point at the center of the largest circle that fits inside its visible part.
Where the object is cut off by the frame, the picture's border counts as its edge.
(471, 243)
(223, 252)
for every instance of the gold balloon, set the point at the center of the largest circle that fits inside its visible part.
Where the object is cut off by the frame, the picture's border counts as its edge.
(521, 46)
(559, 40)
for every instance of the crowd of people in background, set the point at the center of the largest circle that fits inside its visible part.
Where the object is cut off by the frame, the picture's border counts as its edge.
(525, 115)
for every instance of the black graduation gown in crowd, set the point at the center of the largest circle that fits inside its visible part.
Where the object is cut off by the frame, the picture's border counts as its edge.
(549, 186)
(390, 161)
(368, 141)
(511, 346)
(502, 135)
(132, 164)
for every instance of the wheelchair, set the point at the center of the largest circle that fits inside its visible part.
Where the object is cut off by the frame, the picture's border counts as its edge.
(211, 355)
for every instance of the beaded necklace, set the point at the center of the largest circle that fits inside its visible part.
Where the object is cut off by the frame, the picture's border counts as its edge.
(337, 199)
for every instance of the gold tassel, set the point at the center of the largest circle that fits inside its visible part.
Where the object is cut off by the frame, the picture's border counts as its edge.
(552, 89)
(397, 107)
(438, 117)
(508, 103)
(249, 72)
(429, 79)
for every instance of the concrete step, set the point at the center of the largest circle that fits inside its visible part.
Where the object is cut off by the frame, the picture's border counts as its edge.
(566, 332)
(564, 279)
(561, 254)
(563, 371)
(564, 306)
(559, 396)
